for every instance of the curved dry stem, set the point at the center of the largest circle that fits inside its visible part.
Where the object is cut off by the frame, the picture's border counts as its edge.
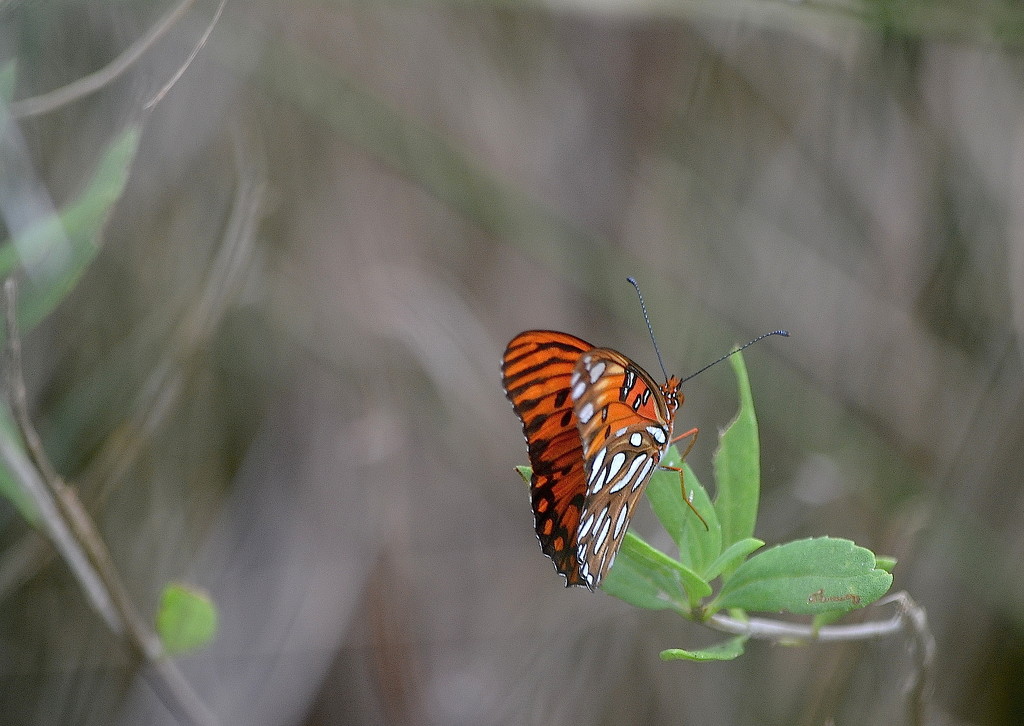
(164, 384)
(73, 533)
(188, 61)
(911, 617)
(52, 100)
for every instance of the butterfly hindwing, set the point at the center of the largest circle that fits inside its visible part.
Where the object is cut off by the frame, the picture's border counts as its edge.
(625, 423)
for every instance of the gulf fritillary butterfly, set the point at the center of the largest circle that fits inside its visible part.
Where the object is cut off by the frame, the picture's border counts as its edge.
(596, 427)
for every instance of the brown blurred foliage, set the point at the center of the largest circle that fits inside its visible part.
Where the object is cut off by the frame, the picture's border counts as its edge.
(304, 417)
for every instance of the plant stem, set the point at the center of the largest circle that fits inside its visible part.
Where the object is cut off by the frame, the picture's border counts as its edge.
(75, 536)
(911, 616)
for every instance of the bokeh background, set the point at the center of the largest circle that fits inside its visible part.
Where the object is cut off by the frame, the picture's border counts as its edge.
(272, 368)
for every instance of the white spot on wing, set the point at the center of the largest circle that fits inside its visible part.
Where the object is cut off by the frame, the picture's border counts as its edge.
(577, 390)
(587, 412)
(658, 433)
(603, 534)
(596, 371)
(628, 476)
(598, 461)
(615, 465)
(636, 439)
(642, 476)
(620, 521)
(584, 528)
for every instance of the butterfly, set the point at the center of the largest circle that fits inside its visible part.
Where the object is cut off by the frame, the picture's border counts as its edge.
(596, 427)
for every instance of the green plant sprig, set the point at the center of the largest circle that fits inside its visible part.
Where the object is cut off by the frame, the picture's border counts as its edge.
(719, 575)
(825, 577)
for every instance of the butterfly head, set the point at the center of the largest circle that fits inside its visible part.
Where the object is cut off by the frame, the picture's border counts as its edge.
(670, 391)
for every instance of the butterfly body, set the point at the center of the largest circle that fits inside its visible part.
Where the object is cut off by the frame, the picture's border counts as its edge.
(596, 426)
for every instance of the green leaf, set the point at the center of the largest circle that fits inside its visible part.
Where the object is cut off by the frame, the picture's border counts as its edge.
(525, 472)
(732, 557)
(666, 499)
(806, 576)
(650, 579)
(700, 546)
(884, 562)
(186, 619)
(737, 466)
(726, 650)
(697, 546)
(60, 247)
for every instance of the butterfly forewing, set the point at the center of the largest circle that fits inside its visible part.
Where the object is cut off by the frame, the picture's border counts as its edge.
(536, 370)
(625, 424)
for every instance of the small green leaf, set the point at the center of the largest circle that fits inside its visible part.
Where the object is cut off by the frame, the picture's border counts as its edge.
(648, 578)
(732, 557)
(806, 576)
(883, 562)
(726, 650)
(526, 472)
(186, 619)
(58, 248)
(737, 466)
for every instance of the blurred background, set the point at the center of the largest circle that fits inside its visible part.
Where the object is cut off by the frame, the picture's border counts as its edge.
(264, 345)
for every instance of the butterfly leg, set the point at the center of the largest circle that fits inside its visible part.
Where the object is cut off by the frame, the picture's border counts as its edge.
(686, 498)
(692, 436)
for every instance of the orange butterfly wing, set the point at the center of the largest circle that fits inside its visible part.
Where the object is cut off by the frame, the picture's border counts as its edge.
(536, 369)
(625, 424)
(596, 426)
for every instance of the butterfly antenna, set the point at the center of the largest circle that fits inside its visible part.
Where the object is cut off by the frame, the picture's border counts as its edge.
(783, 333)
(647, 320)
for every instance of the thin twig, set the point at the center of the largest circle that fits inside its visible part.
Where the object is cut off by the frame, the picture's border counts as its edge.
(16, 387)
(911, 616)
(920, 680)
(188, 61)
(77, 539)
(164, 384)
(21, 469)
(777, 630)
(96, 80)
